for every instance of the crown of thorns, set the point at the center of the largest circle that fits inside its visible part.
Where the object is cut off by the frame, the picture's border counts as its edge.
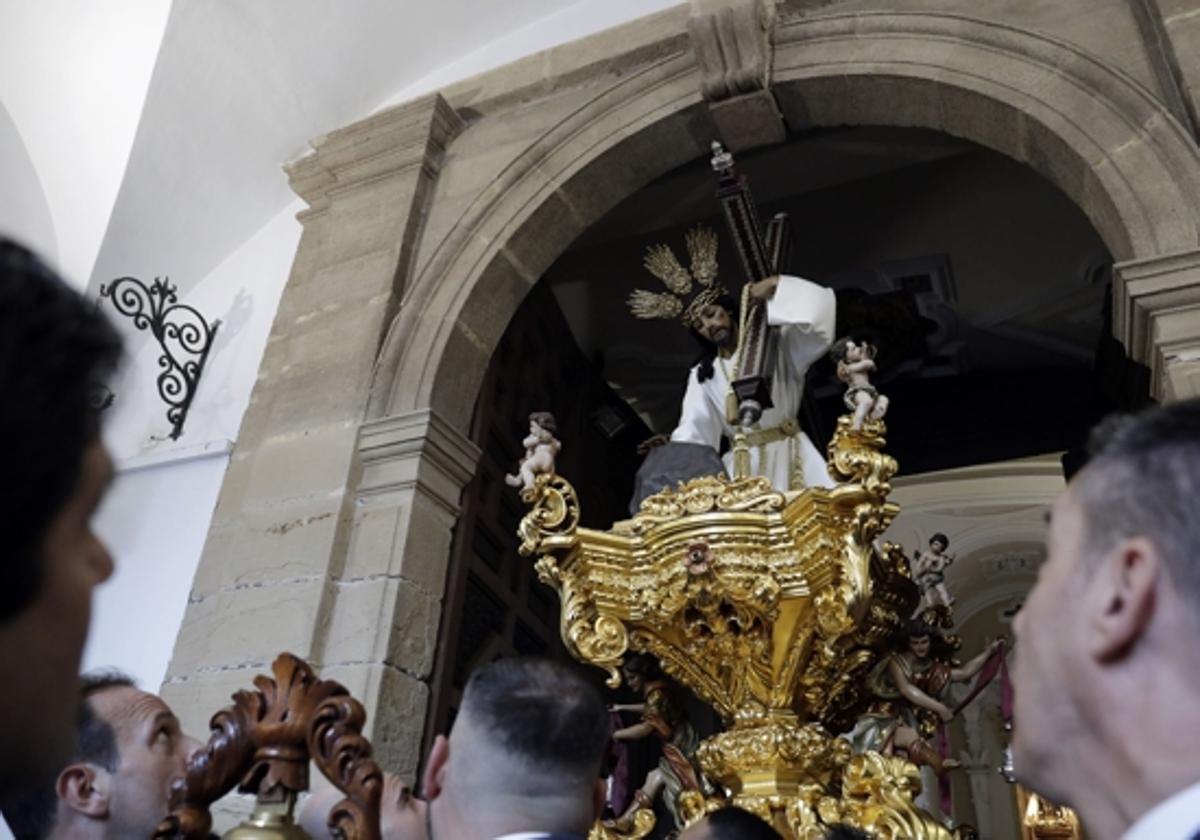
(661, 261)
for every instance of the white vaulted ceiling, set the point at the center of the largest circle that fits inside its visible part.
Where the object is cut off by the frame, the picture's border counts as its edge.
(146, 137)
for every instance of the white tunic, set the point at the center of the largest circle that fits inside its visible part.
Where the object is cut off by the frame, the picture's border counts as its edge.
(805, 314)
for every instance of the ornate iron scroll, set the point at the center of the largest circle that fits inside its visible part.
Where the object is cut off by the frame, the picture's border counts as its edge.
(183, 334)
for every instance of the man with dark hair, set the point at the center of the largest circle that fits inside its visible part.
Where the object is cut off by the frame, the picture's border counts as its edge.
(1107, 670)
(55, 348)
(522, 757)
(129, 749)
(730, 824)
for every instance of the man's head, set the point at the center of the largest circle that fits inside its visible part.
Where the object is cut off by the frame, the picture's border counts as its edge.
(401, 815)
(129, 749)
(714, 323)
(730, 824)
(55, 349)
(524, 754)
(1112, 626)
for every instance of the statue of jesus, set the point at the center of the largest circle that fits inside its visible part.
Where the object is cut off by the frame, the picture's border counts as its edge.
(803, 315)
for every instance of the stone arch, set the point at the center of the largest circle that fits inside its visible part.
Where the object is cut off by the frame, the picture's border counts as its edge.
(1096, 133)
(1087, 127)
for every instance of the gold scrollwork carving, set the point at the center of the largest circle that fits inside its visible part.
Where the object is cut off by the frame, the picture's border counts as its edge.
(877, 796)
(772, 607)
(552, 521)
(710, 493)
(643, 824)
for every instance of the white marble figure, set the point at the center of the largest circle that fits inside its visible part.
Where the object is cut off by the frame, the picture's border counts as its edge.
(540, 448)
(855, 362)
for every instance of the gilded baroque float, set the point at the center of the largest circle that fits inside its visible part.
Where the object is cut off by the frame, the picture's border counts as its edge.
(770, 606)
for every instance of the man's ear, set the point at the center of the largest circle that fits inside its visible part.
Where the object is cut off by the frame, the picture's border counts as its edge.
(1128, 581)
(435, 768)
(599, 799)
(84, 789)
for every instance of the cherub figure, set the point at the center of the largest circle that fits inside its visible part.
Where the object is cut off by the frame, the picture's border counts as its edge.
(855, 362)
(540, 448)
(929, 572)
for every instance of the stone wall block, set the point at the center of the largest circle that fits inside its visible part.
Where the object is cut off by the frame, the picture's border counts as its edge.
(348, 283)
(454, 397)
(647, 150)
(215, 559)
(383, 619)
(285, 541)
(1156, 315)
(370, 217)
(395, 704)
(249, 625)
(302, 465)
(402, 533)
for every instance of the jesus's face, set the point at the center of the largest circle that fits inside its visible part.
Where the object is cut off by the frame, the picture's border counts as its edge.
(715, 325)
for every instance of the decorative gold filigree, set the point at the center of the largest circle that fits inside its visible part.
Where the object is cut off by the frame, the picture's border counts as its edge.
(803, 754)
(877, 796)
(701, 495)
(857, 459)
(552, 522)
(643, 824)
(771, 607)
(1043, 820)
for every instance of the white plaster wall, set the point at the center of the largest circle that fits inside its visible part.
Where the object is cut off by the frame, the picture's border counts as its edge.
(24, 213)
(154, 521)
(73, 76)
(157, 514)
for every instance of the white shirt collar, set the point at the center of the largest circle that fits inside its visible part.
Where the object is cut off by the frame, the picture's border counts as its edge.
(1175, 818)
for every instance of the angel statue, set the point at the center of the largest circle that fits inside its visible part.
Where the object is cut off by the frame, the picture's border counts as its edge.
(855, 362)
(540, 448)
(929, 571)
(907, 706)
(663, 718)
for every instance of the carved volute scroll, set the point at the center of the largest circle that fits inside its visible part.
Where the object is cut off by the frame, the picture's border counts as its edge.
(263, 744)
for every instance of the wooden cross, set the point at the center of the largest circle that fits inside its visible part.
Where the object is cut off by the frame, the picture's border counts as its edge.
(762, 257)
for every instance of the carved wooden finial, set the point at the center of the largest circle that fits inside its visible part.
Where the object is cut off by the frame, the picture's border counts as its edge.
(263, 743)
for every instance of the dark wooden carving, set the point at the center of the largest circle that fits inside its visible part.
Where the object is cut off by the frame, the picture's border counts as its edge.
(263, 743)
(760, 257)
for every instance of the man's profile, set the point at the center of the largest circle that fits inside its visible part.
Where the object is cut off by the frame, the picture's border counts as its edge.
(1107, 667)
(55, 348)
(129, 750)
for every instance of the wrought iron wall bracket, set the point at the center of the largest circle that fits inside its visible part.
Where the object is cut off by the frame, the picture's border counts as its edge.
(183, 334)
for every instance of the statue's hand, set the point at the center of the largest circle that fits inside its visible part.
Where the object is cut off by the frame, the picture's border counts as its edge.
(764, 289)
(944, 713)
(652, 442)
